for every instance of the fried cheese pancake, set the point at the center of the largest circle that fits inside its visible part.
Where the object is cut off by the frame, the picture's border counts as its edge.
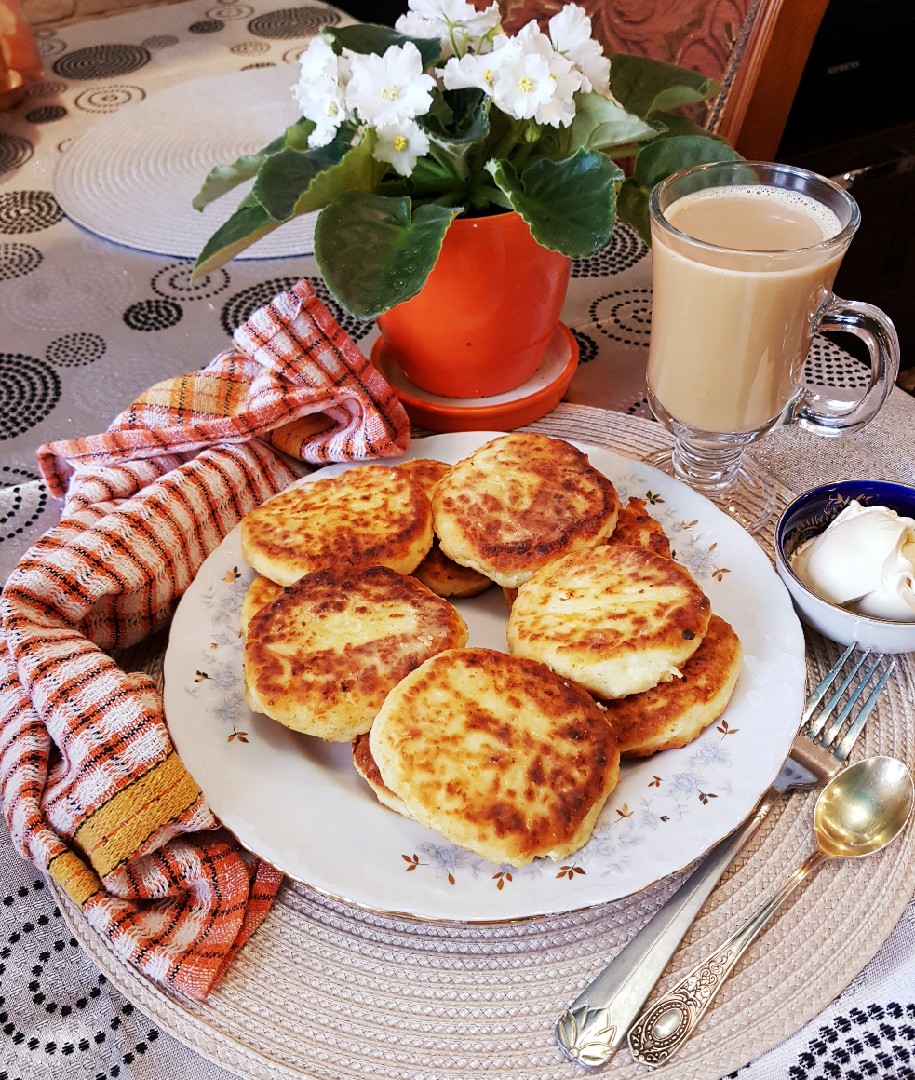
(371, 515)
(368, 770)
(674, 713)
(261, 592)
(636, 527)
(496, 754)
(615, 619)
(519, 501)
(322, 657)
(442, 575)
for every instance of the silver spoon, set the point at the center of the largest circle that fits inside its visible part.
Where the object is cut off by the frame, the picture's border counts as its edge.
(858, 812)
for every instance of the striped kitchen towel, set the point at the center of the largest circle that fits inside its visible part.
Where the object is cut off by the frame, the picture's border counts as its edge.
(93, 791)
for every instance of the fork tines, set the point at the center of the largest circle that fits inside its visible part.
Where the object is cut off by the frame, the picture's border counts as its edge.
(816, 727)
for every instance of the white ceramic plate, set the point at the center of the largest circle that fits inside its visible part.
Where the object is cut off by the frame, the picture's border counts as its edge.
(299, 803)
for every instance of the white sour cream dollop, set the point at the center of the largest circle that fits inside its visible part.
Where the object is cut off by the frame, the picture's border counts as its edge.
(864, 560)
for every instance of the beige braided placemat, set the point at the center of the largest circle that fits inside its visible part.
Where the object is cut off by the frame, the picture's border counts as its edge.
(327, 991)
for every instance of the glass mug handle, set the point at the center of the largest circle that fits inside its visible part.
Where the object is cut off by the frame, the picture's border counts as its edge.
(830, 416)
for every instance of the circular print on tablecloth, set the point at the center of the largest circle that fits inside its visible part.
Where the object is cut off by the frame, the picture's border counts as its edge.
(625, 249)
(29, 390)
(262, 64)
(28, 211)
(90, 1030)
(45, 89)
(231, 11)
(78, 349)
(174, 283)
(294, 55)
(23, 502)
(250, 48)
(624, 316)
(11, 475)
(294, 22)
(828, 364)
(17, 260)
(108, 99)
(160, 41)
(587, 346)
(14, 151)
(101, 61)
(48, 44)
(239, 308)
(640, 407)
(46, 114)
(152, 315)
(206, 26)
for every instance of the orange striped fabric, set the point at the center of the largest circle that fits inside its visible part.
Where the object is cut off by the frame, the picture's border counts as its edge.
(92, 789)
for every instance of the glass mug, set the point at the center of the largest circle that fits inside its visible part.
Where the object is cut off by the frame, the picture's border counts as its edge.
(744, 256)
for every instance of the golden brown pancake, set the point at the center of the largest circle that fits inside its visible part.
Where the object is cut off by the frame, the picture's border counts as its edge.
(519, 501)
(614, 619)
(441, 574)
(497, 754)
(261, 592)
(368, 770)
(636, 527)
(370, 515)
(674, 713)
(322, 657)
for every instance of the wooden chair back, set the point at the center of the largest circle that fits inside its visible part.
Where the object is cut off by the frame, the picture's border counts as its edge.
(756, 49)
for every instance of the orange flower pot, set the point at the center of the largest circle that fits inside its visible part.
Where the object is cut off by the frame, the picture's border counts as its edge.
(482, 322)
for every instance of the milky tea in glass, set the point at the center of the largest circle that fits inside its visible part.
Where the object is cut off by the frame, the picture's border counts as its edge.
(744, 258)
(728, 340)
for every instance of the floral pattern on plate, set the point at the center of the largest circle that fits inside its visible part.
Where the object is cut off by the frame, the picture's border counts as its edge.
(300, 804)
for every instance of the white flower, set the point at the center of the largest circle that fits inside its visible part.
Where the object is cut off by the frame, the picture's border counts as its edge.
(390, 89)
(570, 33)
(532, 80)
(400, 145)
(458, 25)
(319, 91)
(522, 81)
(559, 111)
(470, 71)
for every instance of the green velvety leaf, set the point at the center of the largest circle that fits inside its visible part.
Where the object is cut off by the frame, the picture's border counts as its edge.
(659, 159)
(645, 86)
(655, 163)
(570, 205)
(224, 178)
(370, 38)
(374, 254)
(632, 207)
(294, 182)
(601, 124)
(458, 116)
(249, 223)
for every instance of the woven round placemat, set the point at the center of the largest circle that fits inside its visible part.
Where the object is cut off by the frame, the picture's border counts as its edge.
(328, 991)
(131, 177)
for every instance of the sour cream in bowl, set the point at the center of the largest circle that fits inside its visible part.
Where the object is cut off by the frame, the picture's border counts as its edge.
(846, 552)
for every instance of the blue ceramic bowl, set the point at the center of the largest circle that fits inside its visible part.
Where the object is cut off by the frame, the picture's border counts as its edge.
(810, 514)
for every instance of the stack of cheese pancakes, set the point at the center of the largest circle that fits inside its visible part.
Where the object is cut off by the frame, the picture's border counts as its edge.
(612, 648)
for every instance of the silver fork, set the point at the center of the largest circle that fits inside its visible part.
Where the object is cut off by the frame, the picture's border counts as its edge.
(594, 1026)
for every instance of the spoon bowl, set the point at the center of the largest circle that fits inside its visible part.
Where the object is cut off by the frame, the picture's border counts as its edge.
(858, 813)
(863, 808)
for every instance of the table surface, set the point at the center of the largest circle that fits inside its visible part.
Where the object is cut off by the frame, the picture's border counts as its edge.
(86, 324)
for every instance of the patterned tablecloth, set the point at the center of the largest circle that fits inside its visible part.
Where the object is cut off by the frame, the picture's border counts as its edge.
(86, 323)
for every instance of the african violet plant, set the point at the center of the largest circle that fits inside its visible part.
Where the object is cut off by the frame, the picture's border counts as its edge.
(403, 130)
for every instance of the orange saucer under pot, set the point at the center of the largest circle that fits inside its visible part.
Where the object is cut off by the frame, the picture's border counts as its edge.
(501, 412)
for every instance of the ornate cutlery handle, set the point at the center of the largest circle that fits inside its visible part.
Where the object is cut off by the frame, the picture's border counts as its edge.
(662, 1029)
(594, 1026)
